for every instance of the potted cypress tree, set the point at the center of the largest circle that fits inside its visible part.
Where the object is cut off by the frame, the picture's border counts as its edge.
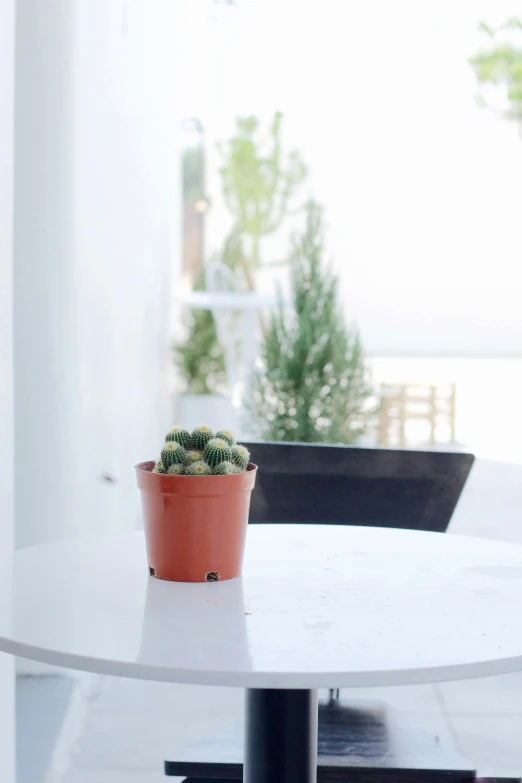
(196, 500)
(312, 386)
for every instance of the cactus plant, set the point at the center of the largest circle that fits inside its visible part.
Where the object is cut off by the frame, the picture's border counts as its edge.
(226, 435)
(226, 468)
(179, 435)
(206, 454)
(172, 453)
(198, 468)
(200, 437)
(159, 467)
(192, 456)
(240, 456)
(217, 450)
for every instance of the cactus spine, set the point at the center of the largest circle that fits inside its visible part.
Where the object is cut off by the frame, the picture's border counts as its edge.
(159, 467)
(226, 435)
(217, 450)
(226, 468)
(192, 456)
(179, 435)
(200, 437)
(198, 468)
(240, 456)
(172, 453)
(175, 470)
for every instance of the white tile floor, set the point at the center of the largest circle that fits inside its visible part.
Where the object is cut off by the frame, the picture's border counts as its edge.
(41, 707)
(130, 727)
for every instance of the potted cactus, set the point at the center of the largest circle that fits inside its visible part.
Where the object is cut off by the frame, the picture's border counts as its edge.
(195, 499)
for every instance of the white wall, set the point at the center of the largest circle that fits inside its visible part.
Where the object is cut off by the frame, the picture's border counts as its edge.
(7, 730)
(95, 241)
(43, 276)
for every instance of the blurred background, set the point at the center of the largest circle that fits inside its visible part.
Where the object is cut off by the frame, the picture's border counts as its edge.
(385, 116)
(298, 219)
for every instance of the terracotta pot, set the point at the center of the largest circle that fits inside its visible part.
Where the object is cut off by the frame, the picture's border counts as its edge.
(195, 526)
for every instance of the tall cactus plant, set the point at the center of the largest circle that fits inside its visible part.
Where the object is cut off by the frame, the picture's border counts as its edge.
(259, 183)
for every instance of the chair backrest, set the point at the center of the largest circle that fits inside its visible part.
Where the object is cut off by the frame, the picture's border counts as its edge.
(343, 485)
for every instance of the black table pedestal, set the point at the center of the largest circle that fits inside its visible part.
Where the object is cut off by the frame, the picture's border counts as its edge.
(280, 736)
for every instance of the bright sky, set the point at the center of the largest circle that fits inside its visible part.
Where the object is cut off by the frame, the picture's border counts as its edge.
(422, 189)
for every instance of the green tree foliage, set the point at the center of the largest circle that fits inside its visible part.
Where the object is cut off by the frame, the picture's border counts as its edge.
(499, 65)
(200, 357)
(259, 183)
(312, 386)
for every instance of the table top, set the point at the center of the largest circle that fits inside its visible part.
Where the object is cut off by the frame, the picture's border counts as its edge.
(318, 606)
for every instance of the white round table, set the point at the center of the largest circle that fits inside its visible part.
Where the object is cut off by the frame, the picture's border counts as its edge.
(318, 606)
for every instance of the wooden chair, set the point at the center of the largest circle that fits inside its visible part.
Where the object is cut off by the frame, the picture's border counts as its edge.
(306, 484)
(406, 403)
